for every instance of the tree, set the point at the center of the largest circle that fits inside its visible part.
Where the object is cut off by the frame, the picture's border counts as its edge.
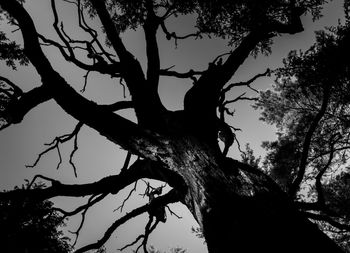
(31, 226)
(177, 147)
(310, 106)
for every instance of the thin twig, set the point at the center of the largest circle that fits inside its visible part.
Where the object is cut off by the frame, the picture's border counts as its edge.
(127, 198)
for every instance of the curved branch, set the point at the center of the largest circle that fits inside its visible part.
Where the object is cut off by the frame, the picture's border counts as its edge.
(113, 69)
(239, 98)
(173, 35)
(307, 142)
(92, 201)
(98, 66)
(171, 197)
(18, 108)
(93, 33)
(111, 184)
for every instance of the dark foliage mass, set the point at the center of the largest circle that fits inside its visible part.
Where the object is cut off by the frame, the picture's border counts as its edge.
(311, 102)
(29, 226)
(295, 200)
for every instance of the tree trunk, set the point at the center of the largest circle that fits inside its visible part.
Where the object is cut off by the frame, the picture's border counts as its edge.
(262, 223)
(240, 209)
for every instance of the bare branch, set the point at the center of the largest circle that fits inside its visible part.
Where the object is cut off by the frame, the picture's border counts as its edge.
(75, 148)
(111, 184)
(239, 98)
(173, 213)
(127, 198)
(112, 69)
(149, 228)
(92, 200)
(173, 35)
(85, 81)
(55, 145)
(58, 31)
(247, 83)
(170, 197)
(132, 243)
(93, 33)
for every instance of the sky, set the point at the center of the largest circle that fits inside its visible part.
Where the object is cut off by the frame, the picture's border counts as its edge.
(96, 157)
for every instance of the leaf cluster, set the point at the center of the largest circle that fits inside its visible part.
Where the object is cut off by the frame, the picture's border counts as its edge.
(11, 52)
(29, 225)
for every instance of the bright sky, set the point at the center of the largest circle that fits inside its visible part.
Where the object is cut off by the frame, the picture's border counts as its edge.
(20, 144)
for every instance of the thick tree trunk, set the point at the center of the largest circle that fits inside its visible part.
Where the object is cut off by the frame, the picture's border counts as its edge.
(242, 210)
(260, 224)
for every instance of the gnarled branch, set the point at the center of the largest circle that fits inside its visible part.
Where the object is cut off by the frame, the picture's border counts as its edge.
(171, 197)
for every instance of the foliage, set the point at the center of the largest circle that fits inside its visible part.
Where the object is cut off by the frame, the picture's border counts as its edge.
(337, 195)
(31, 226)
(11, 52)
(298, 92)
(248, 157)
(309, 81)
(231, 20)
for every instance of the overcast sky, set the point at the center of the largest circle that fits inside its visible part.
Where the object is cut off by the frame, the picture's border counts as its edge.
(20, 144)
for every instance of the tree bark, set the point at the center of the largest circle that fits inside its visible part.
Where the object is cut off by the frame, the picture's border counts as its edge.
(241, 210)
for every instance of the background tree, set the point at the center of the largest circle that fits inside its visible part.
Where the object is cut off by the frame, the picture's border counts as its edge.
(31, 226)
(177, 147)
(310, 107)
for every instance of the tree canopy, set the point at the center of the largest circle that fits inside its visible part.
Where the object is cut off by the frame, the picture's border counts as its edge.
(31, 226)
(271, 207)
(310, 106)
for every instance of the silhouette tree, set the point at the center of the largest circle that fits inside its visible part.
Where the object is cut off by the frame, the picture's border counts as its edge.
(237, 206)
(31, 226)
(309, 105)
